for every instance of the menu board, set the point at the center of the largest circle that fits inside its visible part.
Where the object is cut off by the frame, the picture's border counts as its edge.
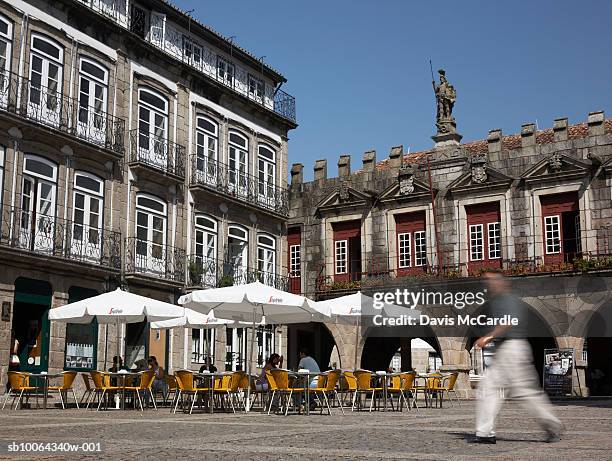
(558, 371)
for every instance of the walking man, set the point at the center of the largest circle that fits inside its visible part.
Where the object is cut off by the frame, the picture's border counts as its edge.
(512, 367)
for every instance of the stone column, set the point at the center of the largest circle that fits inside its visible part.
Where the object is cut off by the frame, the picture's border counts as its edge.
(456, 359)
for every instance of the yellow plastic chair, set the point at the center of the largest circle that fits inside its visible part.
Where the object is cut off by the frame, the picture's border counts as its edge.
(328, 389)
(172, 389)
(102, 387)
(184, 380)
(447, 385)
(281, 378)
(394, 388)
(407, 392)
(19, 384)
(351, 386)
(223, 387)
(272, 388)
(364, 386)
(146, 382)
(68, 378)
(89, 389)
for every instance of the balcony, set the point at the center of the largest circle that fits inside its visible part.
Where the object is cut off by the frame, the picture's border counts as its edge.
(154, 259)
(157, 153)
(48, 236)
(183, 46)
(240, 186)
(50, 108)
(212, 273)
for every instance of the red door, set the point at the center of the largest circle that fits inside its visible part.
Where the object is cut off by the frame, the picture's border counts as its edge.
(560, 227)
(484, 236)
(294, 259)
(411, 243)
(347, 251)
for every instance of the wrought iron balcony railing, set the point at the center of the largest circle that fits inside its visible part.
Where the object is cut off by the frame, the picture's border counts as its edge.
(51, 236)
(239, 184)
(51, 108)
(154, 259)
(181, 45)
(211, 273)
(157, 152)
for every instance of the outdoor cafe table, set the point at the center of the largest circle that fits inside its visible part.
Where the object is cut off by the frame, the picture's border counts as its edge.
(209, 379)
(385, 378)
(306, 377)
(437, 377)
(45, 377)
(121, 378)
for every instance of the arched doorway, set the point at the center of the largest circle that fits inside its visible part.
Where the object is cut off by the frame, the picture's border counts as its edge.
(316, 338)
(596, 351)
(386, 346)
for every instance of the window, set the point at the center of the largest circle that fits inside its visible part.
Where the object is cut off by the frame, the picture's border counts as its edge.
(476, 243)
(152, 128)
(202, 345)
(93, 90)
(206, 150)
(38, 194)
(238, 159)
(237, 244)
(403, 246)
(256, 88)
(295, 261)
(553, 234)
(192, 52)
(265, 343)
(494, 234)
(46, 65)
(6, 35)
(2, 154)
(266, 169)
(150, 233)
(87, 216)
(340, 256)
(205, 237)
(420, 248)
(266, 258)
(225, 71)
(235, 349)
(158, 29)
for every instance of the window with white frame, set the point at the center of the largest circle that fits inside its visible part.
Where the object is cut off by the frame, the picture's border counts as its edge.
(265, 343)
(157, 29)
(266, 169)
(225, 71)
(6, 36)
(403, 249)
(476, 242)
(235, 349)
(238, 162)
(552, 228)
(420, 248)
(150, 233)
(93, 91)
(152, 127)
(205, 237)
(494, 236)
(237, 244)
(87, 215)
(192, 52)
(295, 260)
(266, 258)
(46, 66)
(256, 88)
(202, 345)
(206, 149)
(341, 254)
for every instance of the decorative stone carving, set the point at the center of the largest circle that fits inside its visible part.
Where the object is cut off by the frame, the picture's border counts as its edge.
(343, 192)
(478, 165)
(554, 163)
(405, 178)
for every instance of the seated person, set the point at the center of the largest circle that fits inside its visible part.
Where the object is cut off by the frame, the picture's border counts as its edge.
(208, 366)
(159, 383)
(274, 361)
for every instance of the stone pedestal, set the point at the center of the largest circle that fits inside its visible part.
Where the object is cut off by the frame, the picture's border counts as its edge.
(447, 134)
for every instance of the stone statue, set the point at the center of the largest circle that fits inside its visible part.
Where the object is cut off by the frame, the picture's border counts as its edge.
(445, 98)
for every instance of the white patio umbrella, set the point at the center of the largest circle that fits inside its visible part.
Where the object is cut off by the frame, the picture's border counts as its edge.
(357, 305)
(116, 307)
(254, 302)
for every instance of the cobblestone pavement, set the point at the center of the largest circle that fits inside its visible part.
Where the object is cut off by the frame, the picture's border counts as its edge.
(430, 434)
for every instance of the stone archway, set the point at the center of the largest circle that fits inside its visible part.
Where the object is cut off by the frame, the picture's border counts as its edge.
(317, 338)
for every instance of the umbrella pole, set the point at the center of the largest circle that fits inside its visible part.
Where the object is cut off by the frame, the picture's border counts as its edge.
(250, 364)
(357, 324)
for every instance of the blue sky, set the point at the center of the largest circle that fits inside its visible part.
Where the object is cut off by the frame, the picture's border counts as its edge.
(360, 69)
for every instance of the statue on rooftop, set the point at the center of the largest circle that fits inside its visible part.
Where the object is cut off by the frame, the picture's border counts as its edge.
(445, 97)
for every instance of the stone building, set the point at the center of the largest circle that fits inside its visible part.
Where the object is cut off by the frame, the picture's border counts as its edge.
(138, 148)
(536, 205)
